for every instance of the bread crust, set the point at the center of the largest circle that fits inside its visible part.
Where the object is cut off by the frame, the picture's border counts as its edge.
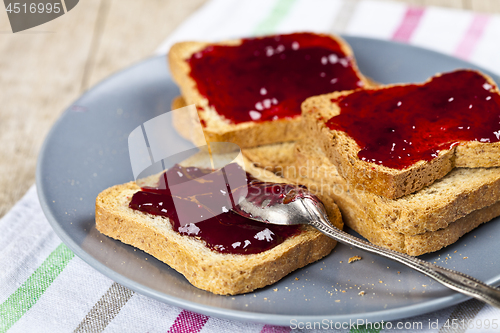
(342, 151)
(216, 127)
(225, 274)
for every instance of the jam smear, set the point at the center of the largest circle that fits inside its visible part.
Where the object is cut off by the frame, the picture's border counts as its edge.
(398, 126)
(208, 201)
(268, 78)
(265, 194)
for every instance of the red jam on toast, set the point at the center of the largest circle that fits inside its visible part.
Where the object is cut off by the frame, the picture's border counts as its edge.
(268, 78)
(401, 125)
(204, 200)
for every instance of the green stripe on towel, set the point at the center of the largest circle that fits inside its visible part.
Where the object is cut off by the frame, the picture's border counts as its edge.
(30, 292)
(366, 329)
(277, 14)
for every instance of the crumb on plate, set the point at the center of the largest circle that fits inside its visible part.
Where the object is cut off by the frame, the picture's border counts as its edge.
(355, 258)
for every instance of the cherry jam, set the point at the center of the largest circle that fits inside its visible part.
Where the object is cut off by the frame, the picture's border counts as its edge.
(268, 78)
(206, 200)
(398, 126)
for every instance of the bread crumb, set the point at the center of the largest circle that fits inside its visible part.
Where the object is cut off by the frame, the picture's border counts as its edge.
(337, 301)
(296, 279)
(275, 289)
(465, 257)
(381, 281)
(354, 258)
(399, 272)
(361, 293)
(340, 261)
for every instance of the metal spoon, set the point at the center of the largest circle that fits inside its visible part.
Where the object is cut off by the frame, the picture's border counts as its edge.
(294, 205)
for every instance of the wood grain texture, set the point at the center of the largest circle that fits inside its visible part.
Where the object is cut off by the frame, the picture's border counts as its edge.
(45, 68)
(485, 6)
(133, 30)
(41, 71)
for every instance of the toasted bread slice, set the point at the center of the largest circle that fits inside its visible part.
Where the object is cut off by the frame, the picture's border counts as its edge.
(217, 127)
(356, 217)
(460, 193)
(343, 150)
(206, 269)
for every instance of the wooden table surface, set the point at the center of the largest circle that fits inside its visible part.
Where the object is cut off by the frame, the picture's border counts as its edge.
(44, 69)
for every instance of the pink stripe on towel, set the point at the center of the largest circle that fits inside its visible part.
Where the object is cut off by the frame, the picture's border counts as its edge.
(471, 36)
(188, 322)
(275, 329)
(410, 22)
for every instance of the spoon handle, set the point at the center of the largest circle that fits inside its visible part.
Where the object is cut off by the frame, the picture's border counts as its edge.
(452, 279)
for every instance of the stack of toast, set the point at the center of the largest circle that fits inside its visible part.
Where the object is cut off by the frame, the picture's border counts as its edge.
(414, 210)
(417, 209)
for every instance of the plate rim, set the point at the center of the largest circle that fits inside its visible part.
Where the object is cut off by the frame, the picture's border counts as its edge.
(437, 303)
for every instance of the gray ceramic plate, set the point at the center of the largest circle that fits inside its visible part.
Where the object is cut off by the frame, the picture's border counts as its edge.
(86, 152)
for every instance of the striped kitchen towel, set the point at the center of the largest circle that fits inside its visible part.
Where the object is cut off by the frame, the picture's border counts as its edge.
(468, 35)
(38, 273)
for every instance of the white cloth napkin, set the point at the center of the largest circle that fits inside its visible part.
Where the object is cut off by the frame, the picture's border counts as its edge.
(38, 273)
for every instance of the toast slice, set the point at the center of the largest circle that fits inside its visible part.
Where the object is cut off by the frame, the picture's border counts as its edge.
(356, 218)
(327, 117)
(275, 118)
(219, 273)
(418, 223)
